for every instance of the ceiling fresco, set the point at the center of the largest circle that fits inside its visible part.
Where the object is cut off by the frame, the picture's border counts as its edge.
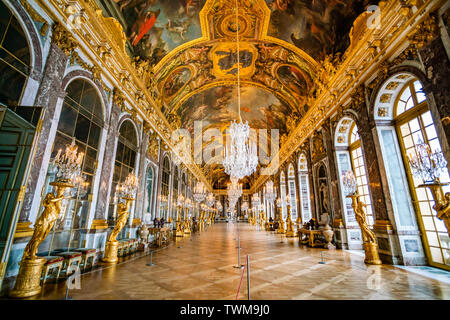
(218, 106)
(156, 27)
(318, 27)
(191, 46)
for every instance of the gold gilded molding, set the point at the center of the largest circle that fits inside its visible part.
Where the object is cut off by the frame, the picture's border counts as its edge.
(23, 229)
(63, 39)
(383, 225)
(99, 224)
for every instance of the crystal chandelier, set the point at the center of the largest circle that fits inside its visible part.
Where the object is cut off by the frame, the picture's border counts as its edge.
(349, 182)
(426, 164)
(244, 206)
(68, 165)
(255, 199)
(234, 190)
(210, 199)
(199, 191)
(128, 188)
(241, 157)
(269, 192)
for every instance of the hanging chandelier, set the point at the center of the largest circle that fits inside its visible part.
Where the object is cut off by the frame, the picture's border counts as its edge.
(234, 190)
(241, 157)
(269, 192)
(255, 199)
(219, 206)
(199, 191)
(210, 199)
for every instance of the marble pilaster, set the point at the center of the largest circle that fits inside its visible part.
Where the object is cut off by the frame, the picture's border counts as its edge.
(48, 93)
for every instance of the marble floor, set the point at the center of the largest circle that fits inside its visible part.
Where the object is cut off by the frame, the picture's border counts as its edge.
(201, 267)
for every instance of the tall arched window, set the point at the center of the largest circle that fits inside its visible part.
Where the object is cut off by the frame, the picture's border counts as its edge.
(414, 125)
(14, 58)
(283, 195)
(126, 154)
(148, 204)
(360, 171)
(292, 192)
(81, 120)
(175, 193)
(165, 188)
(304, 188)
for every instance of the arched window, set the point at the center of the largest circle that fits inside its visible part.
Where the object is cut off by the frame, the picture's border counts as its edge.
(359, 170)
(125, 163)
(304, 188)
(283, 195)
(149, 192)
(165, 188)
(175, 193)
(292, 192)
(414, 125)
(81, 120)
(14, 58)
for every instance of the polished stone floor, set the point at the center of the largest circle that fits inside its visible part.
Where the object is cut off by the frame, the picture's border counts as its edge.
(202, 267)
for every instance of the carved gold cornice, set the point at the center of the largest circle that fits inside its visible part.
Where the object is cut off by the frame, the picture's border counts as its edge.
(63, 39)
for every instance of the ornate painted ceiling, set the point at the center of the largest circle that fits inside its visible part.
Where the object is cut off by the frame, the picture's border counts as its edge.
(191, 45)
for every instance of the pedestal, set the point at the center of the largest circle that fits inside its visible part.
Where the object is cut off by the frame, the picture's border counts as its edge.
(371, 250)
(28, 282)
(110, 256)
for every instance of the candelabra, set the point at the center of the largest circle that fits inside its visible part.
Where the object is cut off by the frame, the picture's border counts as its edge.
(290, 230)
(430, 166)
(68, 170)
(199, 191)
(187, 220)
(281, 228)
(179, 228)
(127, 192)
(369, 239)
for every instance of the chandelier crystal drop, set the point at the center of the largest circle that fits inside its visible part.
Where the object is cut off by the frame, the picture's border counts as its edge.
(255, 199)
(199, 191)
(349, 182)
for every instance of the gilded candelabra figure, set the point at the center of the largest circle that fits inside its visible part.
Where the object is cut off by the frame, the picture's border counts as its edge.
(281, 228)
(125, 191)
(370, 244)
(429, 166)
(68, 169)
(179, 231)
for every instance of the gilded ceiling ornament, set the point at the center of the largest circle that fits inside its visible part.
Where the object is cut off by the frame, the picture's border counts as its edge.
(424, 32)
(385, 98)
(153, 145)
(174, 120)
(63, 39)
(118, 98)
(382, 112)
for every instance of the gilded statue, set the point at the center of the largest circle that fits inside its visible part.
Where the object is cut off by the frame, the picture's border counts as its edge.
(368, 235)
(122, 211)
(45, 222)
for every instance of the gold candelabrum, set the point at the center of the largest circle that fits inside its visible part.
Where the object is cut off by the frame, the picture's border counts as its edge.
(369, 239)
(112, 245)
(262, 219)
(281, 228)
(429, 165)
(187, 223)
(68, 171)
(290, 230)
(441, 202)
(29, 276)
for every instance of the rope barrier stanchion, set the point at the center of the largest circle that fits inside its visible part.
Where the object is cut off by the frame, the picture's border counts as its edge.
(248, 277)
(150, 264)
(240, 283)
